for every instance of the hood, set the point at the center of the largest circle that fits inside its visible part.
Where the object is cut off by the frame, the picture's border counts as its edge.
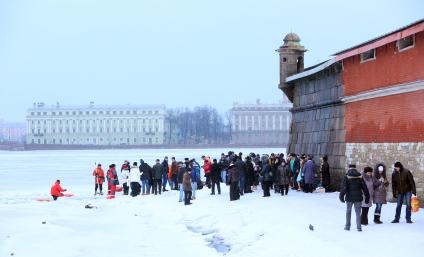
(353, 173)
(377, 173)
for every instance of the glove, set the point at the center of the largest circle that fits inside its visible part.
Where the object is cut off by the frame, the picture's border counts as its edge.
(367, 201)
(64, 190)
(394, 196)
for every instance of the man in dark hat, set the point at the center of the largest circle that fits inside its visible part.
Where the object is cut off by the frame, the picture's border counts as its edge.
(403, 186)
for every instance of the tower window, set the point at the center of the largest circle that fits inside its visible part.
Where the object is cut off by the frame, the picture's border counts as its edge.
(284, 59)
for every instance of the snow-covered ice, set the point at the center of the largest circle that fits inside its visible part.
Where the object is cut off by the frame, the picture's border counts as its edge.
(161, 226)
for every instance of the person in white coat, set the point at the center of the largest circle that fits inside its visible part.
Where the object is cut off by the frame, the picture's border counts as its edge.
(134, 180)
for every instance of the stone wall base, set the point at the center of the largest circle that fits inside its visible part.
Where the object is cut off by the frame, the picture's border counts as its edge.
(411, 155)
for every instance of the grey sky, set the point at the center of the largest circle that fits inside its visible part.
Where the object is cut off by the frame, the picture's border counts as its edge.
(178, 53)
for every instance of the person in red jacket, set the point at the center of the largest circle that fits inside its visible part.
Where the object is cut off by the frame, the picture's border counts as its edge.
(207, 169)
(99, 176)
(56, 190)
(112, 179)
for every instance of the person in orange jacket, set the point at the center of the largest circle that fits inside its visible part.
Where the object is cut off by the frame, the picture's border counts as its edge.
(56, 190)
(99, 178)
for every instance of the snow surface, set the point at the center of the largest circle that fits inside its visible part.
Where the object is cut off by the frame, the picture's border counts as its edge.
(161, 226)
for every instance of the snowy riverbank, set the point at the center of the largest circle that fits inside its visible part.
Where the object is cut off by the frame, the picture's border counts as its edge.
(161, 226)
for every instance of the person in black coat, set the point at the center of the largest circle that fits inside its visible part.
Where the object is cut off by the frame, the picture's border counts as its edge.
(215, 176)
(325, 174)
(403, 186)
(353, 187)
(250, 175)
(233, 180)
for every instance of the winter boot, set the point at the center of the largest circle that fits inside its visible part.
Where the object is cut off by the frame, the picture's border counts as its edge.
(377, 219)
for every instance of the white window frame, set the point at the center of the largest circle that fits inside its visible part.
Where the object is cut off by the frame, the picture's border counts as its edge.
(370, 59)
(408, 47)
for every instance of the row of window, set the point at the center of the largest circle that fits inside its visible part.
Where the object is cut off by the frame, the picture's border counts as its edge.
(60, 113)
(114, 121)
(402, 45)
(94, 140)
(91, 130)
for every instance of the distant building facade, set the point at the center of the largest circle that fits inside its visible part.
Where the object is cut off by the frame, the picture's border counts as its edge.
(363, 106)
(96, 124)
(12, 132)
(260, 124)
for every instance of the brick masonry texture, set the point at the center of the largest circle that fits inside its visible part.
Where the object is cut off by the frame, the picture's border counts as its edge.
(390, 67)
(411, 155)
(391, 119)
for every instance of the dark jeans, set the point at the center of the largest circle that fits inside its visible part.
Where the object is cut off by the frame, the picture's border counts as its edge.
(266, 186)
(187, 197)
(241, 185)
(378, 209)
(400, 198)
(217, 186)
(157, 186)
(234, 191)
(126, 188)
(364, 215)
(100, 186)
(357, 206)
(284, 189)
(135, 188)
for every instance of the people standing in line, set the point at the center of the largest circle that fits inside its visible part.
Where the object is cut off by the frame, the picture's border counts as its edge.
(403, 186)
(134, 180)
(181, 171)
(165, 173)
(250, 175)
(369, 182)
(112, 179)
(233, 180)
(187, 186)
(99, 178)
(125, 173)
(146, 174)
(380, 191)
(56, 190)
(325, 174)
(267, 176)
(215, 177)
(195, 177)
(174, 173)
(157, 177)
(283, 177)
(223, 162)
(308, 174)
(207, 169)
(352, 191)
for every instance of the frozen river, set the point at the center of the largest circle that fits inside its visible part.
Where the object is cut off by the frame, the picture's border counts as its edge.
(35, 171)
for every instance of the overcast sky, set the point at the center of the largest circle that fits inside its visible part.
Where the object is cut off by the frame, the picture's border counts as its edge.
(178, 53)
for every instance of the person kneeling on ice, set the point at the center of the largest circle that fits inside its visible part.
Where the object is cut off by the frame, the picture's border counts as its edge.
(112, 179)
(353, 188)
(56, 190)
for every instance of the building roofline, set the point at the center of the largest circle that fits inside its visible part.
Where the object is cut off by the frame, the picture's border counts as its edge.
(310, 71)
(410, 29)
(98, 107)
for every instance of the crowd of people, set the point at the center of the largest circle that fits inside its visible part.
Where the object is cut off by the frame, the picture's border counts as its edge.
(244, 174)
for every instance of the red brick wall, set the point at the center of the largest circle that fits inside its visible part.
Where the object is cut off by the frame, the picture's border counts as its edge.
(391, 119)
(389, 68)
